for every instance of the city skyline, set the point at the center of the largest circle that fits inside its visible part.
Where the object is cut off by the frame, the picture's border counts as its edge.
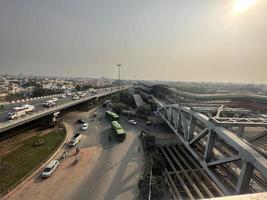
(211, 41)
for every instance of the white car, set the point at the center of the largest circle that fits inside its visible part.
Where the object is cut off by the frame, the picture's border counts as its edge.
(85, 126)
(28, 107)
(63, 96)
(75, 98)
(50, 168)
(54, 99)
(131, 121)
(75, 140)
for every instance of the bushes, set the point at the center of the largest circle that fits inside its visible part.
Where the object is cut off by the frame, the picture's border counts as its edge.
(156, 187)
(156, 162)
(38, 91)
(118, 107)
(144, 110)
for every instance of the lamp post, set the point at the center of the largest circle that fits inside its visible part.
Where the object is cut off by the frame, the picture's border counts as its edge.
(119, 74)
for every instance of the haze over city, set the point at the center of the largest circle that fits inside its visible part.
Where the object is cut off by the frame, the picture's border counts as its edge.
(131, 99)
(208, 40)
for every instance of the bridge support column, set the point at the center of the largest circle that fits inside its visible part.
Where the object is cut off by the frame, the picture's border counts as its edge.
(244, 178)
(209, 147)
(191, 128)
(240, 131)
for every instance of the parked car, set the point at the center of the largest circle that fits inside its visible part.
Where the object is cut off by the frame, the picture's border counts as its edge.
(80, 121)
(75, 140)
(131, 121)
(148, 123)
(50, 168)
(85, 126)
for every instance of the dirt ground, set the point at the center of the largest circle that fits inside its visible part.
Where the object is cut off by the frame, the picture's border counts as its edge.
(67, 171)
(106, 169)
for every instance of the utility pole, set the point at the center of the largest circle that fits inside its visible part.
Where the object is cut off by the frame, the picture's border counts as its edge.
(119, 74)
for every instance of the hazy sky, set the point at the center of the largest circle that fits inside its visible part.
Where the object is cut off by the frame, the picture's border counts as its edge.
(201, 40)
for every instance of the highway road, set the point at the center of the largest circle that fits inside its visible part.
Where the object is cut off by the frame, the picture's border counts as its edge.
(106, 170)
(41, 111)
(38, 103)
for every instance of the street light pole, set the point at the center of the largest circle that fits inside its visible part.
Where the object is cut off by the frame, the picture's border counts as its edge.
(119, 74)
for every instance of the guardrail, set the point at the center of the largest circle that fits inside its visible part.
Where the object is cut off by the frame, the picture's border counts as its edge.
(30, 99)
(35, 115)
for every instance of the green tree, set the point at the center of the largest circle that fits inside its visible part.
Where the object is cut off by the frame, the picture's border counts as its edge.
(78, 87)
(144, 110)
(38, 91)
(118, 107)
(127, 98)
(14, 97)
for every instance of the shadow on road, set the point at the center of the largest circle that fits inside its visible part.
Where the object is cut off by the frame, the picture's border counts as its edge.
(119, 183)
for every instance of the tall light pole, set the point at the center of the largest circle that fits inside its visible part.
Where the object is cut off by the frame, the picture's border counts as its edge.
(119, 74)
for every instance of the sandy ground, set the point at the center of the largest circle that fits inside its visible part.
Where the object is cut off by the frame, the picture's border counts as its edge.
(64, 180)
(106, 170)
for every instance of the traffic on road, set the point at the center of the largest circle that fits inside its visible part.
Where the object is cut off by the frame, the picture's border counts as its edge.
(12, 112)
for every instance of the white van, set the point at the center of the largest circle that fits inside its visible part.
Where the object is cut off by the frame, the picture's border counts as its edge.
(50, 168)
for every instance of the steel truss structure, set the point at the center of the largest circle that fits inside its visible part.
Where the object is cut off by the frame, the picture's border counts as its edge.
(185, 177)
(233, 165)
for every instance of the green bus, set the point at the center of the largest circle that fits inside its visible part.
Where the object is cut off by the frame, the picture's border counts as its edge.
(118, 131)
(112, 116)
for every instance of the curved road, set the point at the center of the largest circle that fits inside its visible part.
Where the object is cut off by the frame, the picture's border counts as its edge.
(106, 170)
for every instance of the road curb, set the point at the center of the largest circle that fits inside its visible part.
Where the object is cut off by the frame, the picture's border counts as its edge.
(34, 173)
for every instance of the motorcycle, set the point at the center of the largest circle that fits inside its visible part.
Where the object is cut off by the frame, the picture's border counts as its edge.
(64, 154)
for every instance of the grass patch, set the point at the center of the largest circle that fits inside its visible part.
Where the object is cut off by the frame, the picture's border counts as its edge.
(26, 157)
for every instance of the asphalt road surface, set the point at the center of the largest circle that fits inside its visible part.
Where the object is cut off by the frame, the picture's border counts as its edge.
(38, 103)
(106, 169)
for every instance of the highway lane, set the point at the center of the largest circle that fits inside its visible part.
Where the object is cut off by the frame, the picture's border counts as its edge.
(38, 103)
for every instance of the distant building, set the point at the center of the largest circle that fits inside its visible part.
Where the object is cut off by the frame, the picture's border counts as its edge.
(13, 89)
(47, 85)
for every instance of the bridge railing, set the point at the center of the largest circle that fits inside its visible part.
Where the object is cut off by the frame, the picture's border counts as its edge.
(231, 163)
(35, 115)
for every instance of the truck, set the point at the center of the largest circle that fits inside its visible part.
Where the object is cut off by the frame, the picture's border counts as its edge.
(16, 113)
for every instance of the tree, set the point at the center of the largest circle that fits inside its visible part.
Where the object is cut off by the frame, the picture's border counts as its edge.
(127, 98)
(38, 91)
(144, 110)
(78, 87)
(14, 97)
(118, 107)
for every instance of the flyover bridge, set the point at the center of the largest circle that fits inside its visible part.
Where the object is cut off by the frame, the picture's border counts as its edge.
(232, 164)
(210, 143)
(42, 112)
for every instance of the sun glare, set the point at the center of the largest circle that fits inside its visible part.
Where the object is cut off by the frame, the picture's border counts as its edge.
(242, 5)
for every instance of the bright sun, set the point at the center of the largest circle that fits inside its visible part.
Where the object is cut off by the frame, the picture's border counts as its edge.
(242, 5)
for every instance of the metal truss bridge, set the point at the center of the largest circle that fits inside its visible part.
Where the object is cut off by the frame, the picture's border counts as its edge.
(232, 164)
